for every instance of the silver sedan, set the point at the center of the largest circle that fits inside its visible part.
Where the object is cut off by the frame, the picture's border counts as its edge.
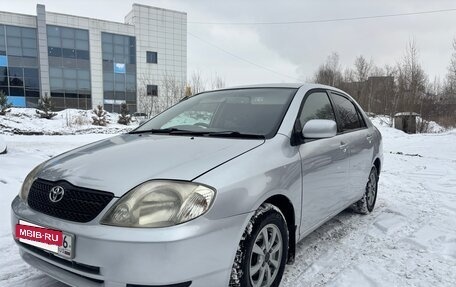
(215, 191)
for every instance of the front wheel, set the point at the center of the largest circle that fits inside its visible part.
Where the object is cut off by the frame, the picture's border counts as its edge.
(262, 253)
(366, 204)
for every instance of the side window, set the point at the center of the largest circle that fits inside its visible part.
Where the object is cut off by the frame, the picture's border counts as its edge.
(316, 107)
(361, 120)
(347, 115)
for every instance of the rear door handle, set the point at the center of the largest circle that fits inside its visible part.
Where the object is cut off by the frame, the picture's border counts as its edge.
(369, 138)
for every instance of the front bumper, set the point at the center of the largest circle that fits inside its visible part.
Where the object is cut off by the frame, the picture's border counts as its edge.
(200, 251)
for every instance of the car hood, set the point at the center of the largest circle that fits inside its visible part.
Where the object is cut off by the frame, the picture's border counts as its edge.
(120, 163)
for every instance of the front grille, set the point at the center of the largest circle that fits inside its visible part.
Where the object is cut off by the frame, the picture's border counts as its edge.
(77, 204)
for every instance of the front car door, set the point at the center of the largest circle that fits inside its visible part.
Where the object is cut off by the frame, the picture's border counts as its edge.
(359, 138)
(324, 165)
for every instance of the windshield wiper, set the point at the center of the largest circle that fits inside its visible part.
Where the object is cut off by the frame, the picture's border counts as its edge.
(175, 131)
(160, 131)
(234, 134)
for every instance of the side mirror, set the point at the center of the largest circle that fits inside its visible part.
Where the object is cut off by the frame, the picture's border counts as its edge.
(317, 129)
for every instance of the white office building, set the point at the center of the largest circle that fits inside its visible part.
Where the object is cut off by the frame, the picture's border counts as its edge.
(83, 62)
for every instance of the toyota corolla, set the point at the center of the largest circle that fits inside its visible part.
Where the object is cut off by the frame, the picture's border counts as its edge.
(215, 191)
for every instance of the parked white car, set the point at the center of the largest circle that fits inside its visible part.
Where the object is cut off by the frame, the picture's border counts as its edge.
(3, 148)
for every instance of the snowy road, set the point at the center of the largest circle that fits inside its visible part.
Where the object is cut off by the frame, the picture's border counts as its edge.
(409, 240)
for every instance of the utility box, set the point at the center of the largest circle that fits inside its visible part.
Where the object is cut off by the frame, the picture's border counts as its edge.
(406, 122)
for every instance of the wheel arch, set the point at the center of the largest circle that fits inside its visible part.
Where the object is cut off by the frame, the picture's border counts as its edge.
(377, 165)
(284, 204)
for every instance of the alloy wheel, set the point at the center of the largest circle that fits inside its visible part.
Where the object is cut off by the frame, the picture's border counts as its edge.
(266, 256)
(371, 189)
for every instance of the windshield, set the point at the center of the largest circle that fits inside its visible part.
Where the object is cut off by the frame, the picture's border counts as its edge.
(252, 111)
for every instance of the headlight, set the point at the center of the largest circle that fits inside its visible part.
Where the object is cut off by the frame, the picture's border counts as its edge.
(160, 203)
(29, 179)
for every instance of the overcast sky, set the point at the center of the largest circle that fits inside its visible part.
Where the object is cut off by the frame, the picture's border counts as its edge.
(294, 52)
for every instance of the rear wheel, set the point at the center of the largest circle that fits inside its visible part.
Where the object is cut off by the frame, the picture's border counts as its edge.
(262, 253)
(366, 204)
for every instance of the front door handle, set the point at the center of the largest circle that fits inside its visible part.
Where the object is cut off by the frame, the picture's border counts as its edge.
(343, 147)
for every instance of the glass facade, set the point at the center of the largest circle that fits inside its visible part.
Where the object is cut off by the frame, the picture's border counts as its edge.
(69, 67)
(119, 71)
(19, 76)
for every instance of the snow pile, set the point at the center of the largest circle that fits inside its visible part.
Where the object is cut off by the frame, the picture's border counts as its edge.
(435, 127)
(381, 120)
(70, 121)
(432, 126)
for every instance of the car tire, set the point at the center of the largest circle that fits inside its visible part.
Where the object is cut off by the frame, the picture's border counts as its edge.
(367, 203)
(258, 260)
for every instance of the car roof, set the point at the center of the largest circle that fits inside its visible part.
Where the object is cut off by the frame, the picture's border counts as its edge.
(306, 86)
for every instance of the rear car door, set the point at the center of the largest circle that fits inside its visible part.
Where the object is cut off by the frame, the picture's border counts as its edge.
(324, 164)
(359, 138)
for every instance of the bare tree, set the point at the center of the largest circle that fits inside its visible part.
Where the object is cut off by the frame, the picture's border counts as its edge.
(376, 71)
(146, 102)
(362, 68)
(403, 87)
(389, 93)
(435, 87)
(411, 80)
(450, 85)
(172, 90)
(169, 91)
(363, 89)
(349, 75)
(330, 72)
(188, 91)
(217, 82)
(196, 83)
(446, 113)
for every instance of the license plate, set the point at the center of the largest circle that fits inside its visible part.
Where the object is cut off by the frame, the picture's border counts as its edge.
(55, 241)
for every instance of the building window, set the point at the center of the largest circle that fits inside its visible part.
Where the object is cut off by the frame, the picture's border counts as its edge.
(19, 77)
(119, 71)
(69, 67)
(151, 57)
(152, 90)
(3, 61)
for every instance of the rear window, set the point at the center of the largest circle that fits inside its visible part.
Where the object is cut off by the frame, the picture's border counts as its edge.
(347, 114)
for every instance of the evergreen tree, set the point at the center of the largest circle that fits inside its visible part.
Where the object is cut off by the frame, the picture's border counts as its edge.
(124, 116)
(45, 108)
(99, 117)
(4, 105)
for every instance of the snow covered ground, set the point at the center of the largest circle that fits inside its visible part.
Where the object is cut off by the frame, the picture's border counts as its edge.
(66, 122)
(409, 239)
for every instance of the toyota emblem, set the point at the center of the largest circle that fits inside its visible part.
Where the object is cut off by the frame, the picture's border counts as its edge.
(56, 194)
